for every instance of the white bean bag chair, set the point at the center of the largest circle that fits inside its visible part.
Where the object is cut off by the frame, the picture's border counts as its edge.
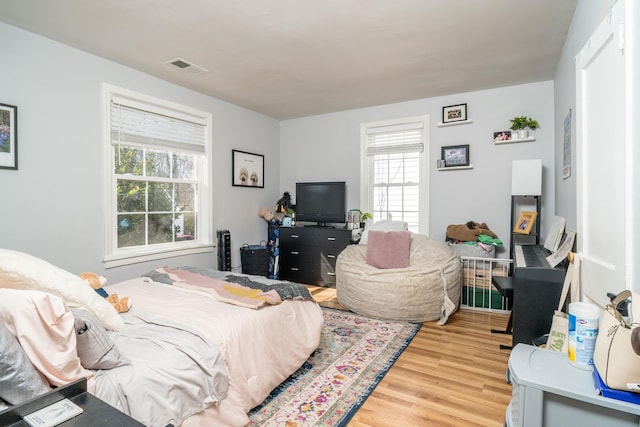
(428, 289)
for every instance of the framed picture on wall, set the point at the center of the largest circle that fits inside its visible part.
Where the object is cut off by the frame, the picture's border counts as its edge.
(8, 136)
(248, 169)
(454, 113)
(455, 155)
(525, 222)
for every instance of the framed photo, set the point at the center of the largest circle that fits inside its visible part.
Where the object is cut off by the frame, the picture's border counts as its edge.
(525, 222)
(454, 113)
(503, 135)
(248, 169)
(455, 155)
(8, 136)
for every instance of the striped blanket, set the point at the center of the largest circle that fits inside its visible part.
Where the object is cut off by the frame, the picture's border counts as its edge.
(241, 290)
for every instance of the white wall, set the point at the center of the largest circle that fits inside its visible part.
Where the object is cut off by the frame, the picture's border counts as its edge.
(51, 206)
(587, 16)
(327, 147)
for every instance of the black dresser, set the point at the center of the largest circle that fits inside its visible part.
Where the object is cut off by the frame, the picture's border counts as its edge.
(308, 254)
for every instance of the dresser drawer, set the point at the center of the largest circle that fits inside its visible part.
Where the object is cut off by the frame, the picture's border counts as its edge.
(297, 256)
(332, 237)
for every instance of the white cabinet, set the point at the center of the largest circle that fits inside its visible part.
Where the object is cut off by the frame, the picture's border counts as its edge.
(548, 391)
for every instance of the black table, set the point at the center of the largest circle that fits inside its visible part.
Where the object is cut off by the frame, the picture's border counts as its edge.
(96, 412)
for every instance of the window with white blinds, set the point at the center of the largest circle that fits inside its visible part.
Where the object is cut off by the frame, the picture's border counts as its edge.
(394, 166)
(157, 192)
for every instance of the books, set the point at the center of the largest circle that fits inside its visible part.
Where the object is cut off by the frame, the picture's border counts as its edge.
(54, 414)
(554, 236)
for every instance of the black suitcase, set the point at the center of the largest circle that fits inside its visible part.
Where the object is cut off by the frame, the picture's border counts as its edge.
(255, 259)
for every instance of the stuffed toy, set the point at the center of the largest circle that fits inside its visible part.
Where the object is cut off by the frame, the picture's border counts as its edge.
(284, 203)
(265, 213)
(270, 215)
(97, 282)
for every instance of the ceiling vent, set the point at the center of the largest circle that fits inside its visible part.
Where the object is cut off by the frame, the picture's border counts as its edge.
(187, 66)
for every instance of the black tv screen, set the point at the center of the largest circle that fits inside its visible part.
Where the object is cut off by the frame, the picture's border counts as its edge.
(321, 202)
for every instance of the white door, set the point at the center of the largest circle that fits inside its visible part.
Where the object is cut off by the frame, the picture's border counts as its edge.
(600, 160)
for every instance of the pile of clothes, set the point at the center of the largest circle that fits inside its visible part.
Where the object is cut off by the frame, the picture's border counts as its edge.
(473, 234)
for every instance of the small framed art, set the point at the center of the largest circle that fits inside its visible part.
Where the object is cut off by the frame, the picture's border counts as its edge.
(504, 135)
(248, 169)
(8, 136)
(454, 113)
(455, 155)
(525, 222)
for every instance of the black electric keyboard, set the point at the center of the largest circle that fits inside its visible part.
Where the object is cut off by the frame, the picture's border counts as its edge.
(536, 292)
(531, 256)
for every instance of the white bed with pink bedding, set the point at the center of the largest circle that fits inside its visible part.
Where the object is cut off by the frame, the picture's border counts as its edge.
(229, 357)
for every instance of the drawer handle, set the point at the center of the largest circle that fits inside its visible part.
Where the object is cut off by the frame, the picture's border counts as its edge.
(330, 256)
(331, 274)
(295, 269)
(295, 253)
(294, 236)
(331, 239)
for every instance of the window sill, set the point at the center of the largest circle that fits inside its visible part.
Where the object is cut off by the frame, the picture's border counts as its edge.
(122, 259)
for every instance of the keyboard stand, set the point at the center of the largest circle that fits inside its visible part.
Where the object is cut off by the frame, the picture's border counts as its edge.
(504, 285)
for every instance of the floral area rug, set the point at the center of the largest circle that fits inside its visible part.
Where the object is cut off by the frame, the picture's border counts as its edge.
(355, 352)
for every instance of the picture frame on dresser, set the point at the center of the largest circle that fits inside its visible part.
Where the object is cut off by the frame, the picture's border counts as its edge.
(8, 136)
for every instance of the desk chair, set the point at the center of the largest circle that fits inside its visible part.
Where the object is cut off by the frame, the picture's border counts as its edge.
(504, 285)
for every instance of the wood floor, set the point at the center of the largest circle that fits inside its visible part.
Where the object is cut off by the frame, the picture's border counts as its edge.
(451, 375)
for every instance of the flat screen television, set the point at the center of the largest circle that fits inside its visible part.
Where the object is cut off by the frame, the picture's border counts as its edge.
(321, 202)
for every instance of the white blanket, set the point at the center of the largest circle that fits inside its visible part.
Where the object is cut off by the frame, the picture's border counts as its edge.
(260, 348)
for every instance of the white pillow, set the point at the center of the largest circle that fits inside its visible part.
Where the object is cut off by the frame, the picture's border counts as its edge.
(385, 225)
(95, 348)
(22, 271)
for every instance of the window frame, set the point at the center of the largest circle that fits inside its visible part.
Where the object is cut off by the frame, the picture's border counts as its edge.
(367, 178)
(116, 257)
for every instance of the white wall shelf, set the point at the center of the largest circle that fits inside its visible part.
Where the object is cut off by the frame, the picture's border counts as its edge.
(455, 168)
(513, 141)
(461, 122)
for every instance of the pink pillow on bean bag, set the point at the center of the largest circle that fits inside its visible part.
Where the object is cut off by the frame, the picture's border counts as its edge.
(388, 249)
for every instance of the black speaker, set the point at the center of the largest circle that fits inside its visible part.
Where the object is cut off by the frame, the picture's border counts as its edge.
(224, 250)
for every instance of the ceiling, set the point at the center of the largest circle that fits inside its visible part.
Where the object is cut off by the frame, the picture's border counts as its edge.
(294, 58)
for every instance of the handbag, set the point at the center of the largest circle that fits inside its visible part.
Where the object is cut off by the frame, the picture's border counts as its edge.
(558, 339)
(614, 357)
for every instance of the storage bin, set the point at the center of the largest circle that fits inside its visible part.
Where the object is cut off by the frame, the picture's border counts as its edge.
(255, 259)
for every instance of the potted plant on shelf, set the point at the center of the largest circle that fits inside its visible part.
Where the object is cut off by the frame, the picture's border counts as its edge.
(522, 125)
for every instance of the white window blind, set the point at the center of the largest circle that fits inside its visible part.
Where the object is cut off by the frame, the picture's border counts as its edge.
(402, 138)
(135, 124)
